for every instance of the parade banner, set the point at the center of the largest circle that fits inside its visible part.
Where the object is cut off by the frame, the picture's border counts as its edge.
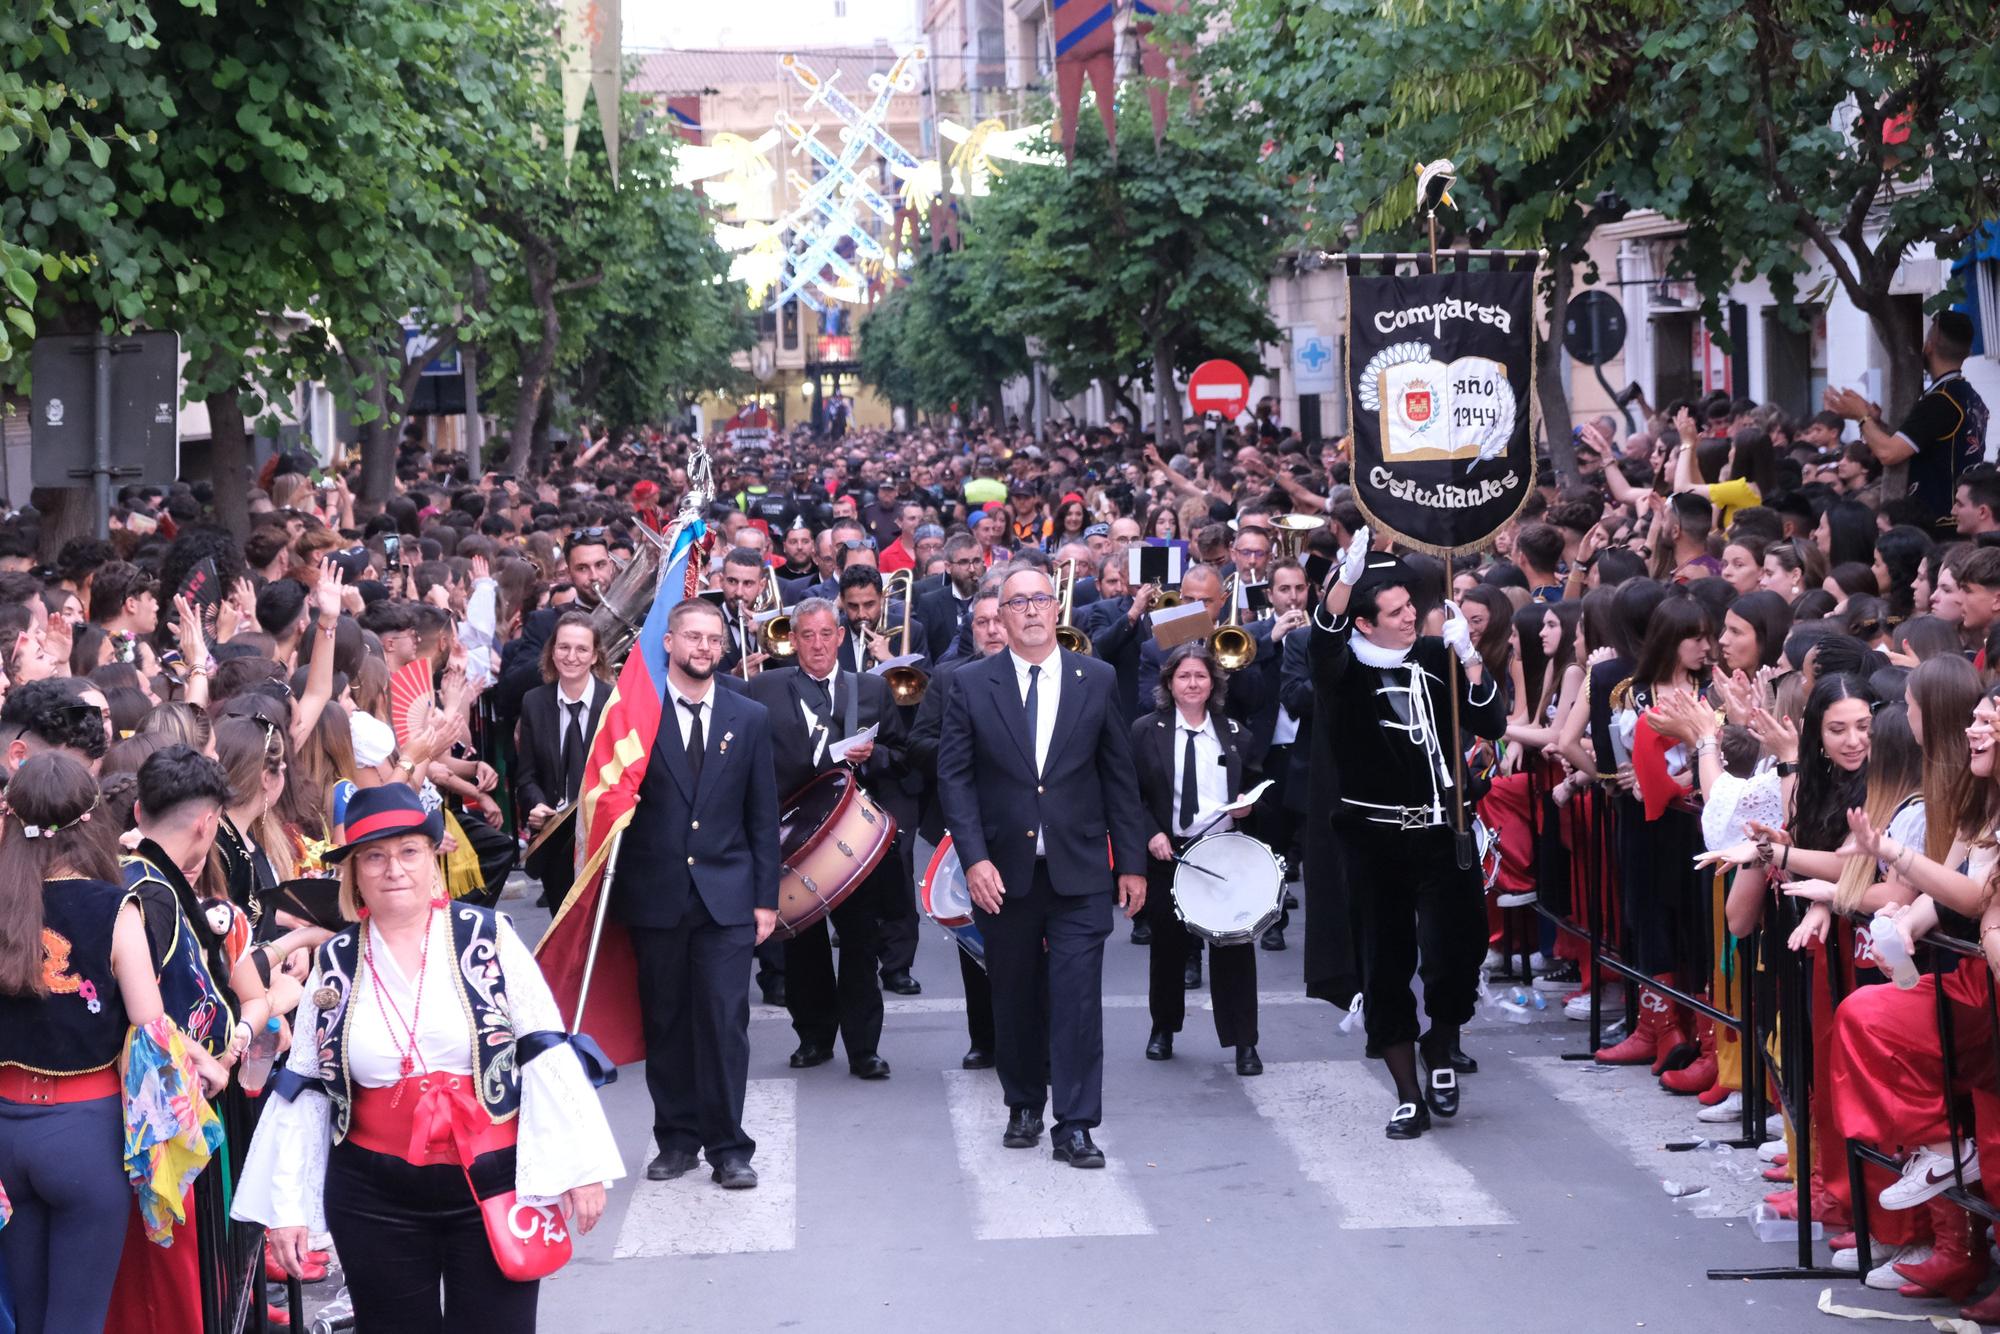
(1440, 381)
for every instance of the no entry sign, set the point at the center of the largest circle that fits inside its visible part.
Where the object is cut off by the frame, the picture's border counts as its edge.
(1219, 386)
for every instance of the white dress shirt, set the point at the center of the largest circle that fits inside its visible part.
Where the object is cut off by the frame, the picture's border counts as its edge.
(1048, 696)
(1211, 778)
(685, 717)
(582, 719)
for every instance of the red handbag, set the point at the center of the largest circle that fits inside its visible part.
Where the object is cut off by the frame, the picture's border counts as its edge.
(529, 1241)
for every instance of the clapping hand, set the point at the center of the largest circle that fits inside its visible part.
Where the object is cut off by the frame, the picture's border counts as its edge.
(1355, 559)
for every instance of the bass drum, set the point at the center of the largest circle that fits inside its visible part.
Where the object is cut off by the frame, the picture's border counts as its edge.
(832, 836)
(942, 894)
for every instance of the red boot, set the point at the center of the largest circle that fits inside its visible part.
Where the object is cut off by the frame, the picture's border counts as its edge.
(1958, 1256)
(1700, 1076)
(277, 1317)
(1674, 1049)
(1644, 1045)
(1986, 1310)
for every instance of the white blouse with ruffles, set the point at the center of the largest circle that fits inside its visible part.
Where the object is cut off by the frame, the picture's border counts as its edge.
(564, 1140)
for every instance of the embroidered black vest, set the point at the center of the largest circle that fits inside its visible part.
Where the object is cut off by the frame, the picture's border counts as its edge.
(204, 1011)
(79, 1025)
(482, 993)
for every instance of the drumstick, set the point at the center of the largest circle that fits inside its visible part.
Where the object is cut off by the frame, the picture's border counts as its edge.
(1196, 866)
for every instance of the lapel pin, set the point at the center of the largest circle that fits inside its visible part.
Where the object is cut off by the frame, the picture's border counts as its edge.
(727, 737)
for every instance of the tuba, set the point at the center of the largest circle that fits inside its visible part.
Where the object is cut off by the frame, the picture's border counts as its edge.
(1232, 645)
(907, 682)
(1067, 635)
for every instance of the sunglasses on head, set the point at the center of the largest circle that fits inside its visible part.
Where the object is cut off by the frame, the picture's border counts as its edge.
(586, 537)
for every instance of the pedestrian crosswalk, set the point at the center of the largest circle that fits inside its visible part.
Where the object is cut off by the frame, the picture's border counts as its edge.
(691, 1216)
(1325, 1119)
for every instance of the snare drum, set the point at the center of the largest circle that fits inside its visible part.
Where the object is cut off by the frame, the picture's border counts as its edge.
(943, 895)
(1228, 888)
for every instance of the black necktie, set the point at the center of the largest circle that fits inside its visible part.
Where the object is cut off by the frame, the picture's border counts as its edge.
(1034, 711)
(695, 744)
(825, 689)
(1190, 786)
(572, 750)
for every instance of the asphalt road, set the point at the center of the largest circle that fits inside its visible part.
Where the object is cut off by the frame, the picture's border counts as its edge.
(1271, 1203)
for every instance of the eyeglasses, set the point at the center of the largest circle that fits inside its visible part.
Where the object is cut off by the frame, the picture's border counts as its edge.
(376, 860)
(859, 544)
(1020, 602)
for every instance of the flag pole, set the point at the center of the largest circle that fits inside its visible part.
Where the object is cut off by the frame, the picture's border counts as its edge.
(597, 930)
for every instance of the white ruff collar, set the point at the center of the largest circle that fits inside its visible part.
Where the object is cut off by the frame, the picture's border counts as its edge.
(1373, 654)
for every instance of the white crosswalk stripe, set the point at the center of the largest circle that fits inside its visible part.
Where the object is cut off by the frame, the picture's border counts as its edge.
(1021, 1193)
(694, 1216)
(1331, 1114)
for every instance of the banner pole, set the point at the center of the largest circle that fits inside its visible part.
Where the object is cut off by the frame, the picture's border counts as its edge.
(597, 931)
(1465, 859)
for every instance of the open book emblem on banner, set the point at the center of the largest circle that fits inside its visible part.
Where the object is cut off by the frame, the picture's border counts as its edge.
(1432, 411)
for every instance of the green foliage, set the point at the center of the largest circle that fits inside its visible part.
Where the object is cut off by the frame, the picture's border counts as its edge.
(938, 341)
(1155, 259)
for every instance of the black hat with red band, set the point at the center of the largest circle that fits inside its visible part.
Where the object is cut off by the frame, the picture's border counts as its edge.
(389, 811)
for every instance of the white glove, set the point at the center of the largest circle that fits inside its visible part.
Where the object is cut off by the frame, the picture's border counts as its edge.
(1355, 559)
(1458, 634)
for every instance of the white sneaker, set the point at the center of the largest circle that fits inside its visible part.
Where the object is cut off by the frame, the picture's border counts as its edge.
(1771, 1150)
(1849, 1260)
(1774, 1127)
(1883, 1277)
(1492, 962)
(1578, 1007)
(1928, 1173)
(1729, 1109)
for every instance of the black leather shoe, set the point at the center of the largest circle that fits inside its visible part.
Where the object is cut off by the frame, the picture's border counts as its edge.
(1247, 1062)
(1142, 933)
(976, 1058)
(1272, 939)
(774, 992)
(736, 1175)
(1191, 975)
(672, 1163)
(870, 1066)
(1460, 1062)
(1160, 1046)
(1441, 1089)
(809, 1055)
(1411, 1119)
(1074, 1147)
(902, 983)
(1024, 1129)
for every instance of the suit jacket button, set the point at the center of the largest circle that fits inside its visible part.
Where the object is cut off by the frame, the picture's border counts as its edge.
(1031, 833)
(694, 824)
(690, 861)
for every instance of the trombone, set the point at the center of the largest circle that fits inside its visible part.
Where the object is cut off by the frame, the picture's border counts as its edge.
(776, 634)
(1067, 635)
(1232, 645)
(907, 682)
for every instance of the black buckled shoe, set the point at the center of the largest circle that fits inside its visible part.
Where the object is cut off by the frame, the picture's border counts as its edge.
(1160, 1047)
(1024, 1129)
(1460, 1062)
(1441, 1090)
(870, 1066)
(1248, 1062)
(1410, 1120)
(976, 1058)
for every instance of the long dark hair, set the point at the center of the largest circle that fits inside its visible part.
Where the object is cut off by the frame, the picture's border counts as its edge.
(1767, 614)
(1825, 793)
(1677, 619)
(1492, 646)
(1902, 549)
(1946, 689)
(1752, 460)
(49, 792)
(1850, 526)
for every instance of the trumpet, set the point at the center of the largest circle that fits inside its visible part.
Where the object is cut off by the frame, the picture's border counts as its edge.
(907, 682)
(1165, 597)
(1067, 635)
(1293, 530)
(1232, 645)
(776, 634)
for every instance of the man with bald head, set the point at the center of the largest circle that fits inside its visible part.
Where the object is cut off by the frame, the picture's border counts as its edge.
(1035, 777)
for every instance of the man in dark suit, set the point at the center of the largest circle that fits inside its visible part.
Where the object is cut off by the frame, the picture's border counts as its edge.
(811, 706)
(697, 890)
(1035, 774)
(945, 608)
(743, 582)
(1272, 730)
(558, 720)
